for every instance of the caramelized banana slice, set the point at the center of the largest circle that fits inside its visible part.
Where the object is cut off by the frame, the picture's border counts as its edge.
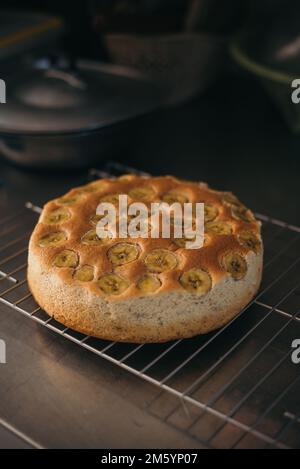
(196, 281)
(68, 199)
(181, 242)
(92, 239)
(219, 228)
(142, 193)
(111, 199)
(57, 216)
(143, 225)
(235, 264)
(95, 218)
(112, 284)
(160, 260)
(66, 258)
(123, 253)
(84, 273)
(88, 188)
(52, 239)
(148, 283)
(230, 199)
(210, 212)
(250, 240)
(97, 185)
(127, 177)
(242, 213)
(172, 197)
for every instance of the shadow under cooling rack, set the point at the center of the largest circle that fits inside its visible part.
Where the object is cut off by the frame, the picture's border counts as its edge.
(235, 387)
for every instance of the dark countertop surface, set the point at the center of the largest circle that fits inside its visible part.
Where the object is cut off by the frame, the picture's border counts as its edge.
(62, 396)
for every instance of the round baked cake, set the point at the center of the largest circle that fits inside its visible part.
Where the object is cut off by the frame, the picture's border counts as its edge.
(144, 289)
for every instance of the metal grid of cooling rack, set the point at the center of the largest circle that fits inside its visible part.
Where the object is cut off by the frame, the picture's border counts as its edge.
(236, 387)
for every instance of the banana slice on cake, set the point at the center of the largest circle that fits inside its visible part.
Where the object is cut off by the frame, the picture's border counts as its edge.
(196, 281)
(123, 253)
(57, 216)
(242, 213)
(230, 199)
(144, 194)
(52, 239)
(96, 218)
(92, 239)
(84, 273)
(68, 199)
(66, 258)
(111, 199)
(182, 242)
(219, 228)
(210, 212)
(173, 197)
(87, 189)
(160, 260)
(148, 283)
(112, 284)
(250, 240)
(235, 264)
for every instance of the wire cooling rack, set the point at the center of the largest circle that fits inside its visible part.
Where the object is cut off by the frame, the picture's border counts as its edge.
(237, 387)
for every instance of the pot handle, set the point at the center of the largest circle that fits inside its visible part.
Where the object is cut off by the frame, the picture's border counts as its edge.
(67, 77)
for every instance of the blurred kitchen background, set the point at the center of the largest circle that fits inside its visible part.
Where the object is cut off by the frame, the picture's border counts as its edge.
(196, 88)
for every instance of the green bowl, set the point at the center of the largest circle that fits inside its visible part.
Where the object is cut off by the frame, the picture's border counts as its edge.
(276, 81)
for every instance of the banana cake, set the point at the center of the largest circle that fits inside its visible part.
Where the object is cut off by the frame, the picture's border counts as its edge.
(143, 289)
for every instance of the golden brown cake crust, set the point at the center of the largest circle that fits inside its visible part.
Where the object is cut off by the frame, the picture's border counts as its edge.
(131, 312)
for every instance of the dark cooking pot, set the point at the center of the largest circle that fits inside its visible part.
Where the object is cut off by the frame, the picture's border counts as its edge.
(62, 118)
